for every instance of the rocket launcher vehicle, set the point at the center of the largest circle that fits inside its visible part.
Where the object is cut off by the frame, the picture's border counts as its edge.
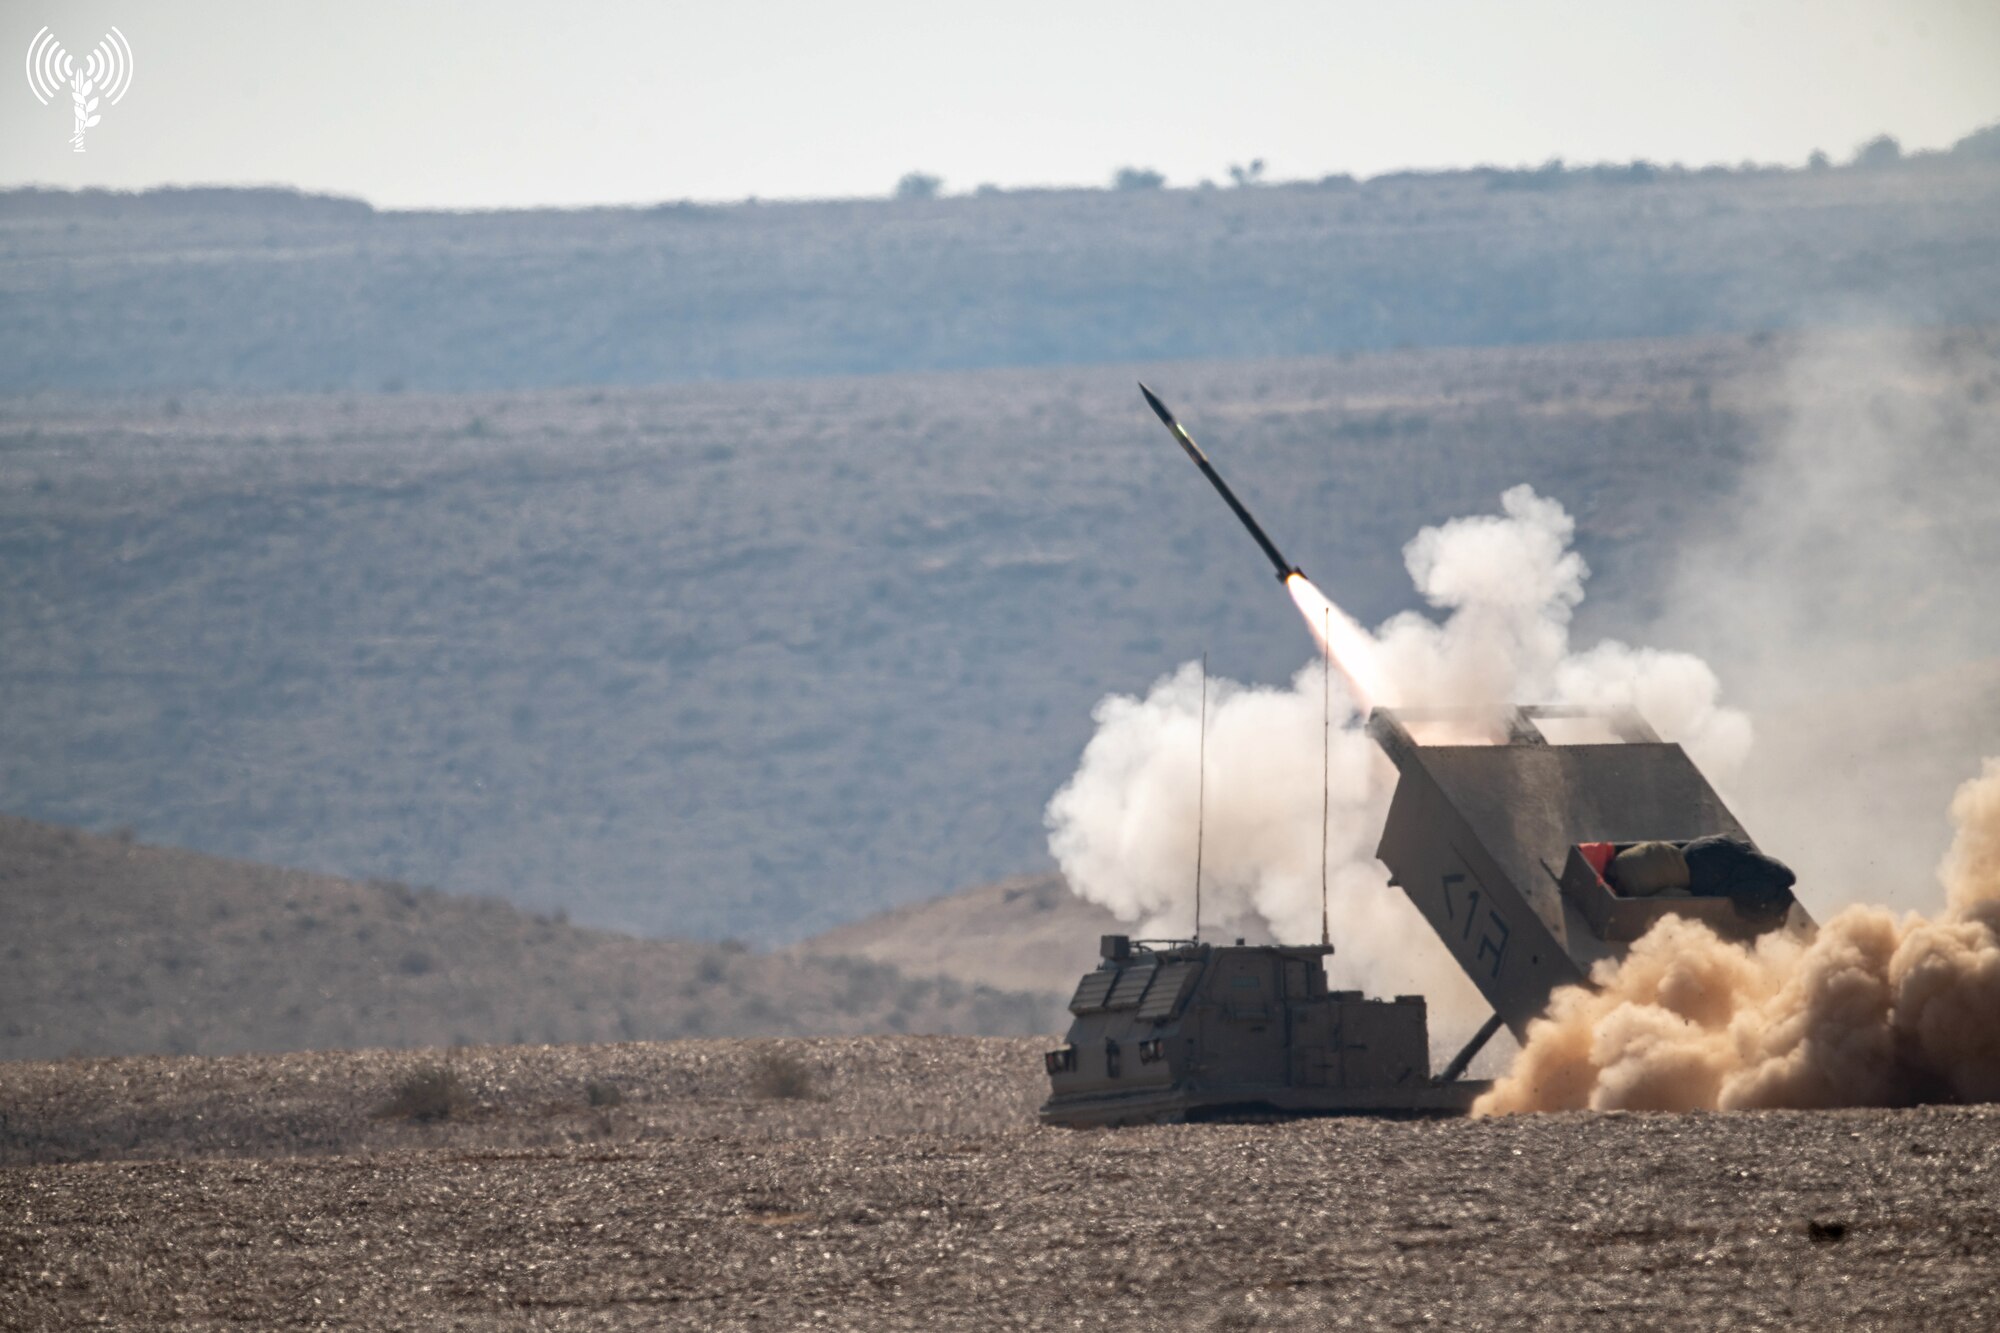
(1531, 842)
(1508, 848)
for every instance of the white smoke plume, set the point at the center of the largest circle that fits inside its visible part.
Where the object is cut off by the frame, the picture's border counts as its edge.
(1870, 1011)
(1124, 827)
(1844, 591)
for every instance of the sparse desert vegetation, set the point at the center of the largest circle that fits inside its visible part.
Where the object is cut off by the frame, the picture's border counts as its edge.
(434, 1092)
(348, 1103)
(781, 1075)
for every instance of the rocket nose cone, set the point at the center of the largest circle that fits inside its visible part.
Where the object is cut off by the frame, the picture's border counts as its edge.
(1153, 401)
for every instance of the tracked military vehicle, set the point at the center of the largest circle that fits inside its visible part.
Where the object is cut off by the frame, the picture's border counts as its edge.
(1178, 1030)
(1506, 841)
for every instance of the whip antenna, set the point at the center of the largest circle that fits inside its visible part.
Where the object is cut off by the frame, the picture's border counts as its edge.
(1325, 772)
(1200, 795)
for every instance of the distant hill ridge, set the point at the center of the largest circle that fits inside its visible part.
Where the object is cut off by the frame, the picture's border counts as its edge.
(167, 201)
(274, 290)
(116, 948)
(1026, 933)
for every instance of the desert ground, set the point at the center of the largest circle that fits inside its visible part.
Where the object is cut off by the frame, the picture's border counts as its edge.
(902, 1182)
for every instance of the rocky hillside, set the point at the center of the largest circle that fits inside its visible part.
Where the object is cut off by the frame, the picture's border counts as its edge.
(114, 947)
(1028, 933)
(761, 660)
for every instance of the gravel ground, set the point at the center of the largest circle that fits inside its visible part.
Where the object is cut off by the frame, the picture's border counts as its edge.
(320, 1102)
(909, 1189)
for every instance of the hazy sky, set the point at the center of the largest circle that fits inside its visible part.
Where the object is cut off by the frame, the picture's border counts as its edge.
(508, 102)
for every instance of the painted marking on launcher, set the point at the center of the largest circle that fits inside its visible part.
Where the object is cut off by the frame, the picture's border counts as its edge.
(105, 76)
(1493, 939)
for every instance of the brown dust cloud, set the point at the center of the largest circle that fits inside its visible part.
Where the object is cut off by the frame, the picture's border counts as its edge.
(1871, 1010)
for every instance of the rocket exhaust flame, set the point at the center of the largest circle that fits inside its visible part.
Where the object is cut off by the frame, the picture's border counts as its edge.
(1351, 649)
(1341, 639)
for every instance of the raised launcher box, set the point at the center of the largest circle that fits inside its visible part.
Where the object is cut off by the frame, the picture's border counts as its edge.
(1485, 831)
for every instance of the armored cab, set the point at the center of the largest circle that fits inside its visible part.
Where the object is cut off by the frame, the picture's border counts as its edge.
(1166, 1031)
(1502, 838)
